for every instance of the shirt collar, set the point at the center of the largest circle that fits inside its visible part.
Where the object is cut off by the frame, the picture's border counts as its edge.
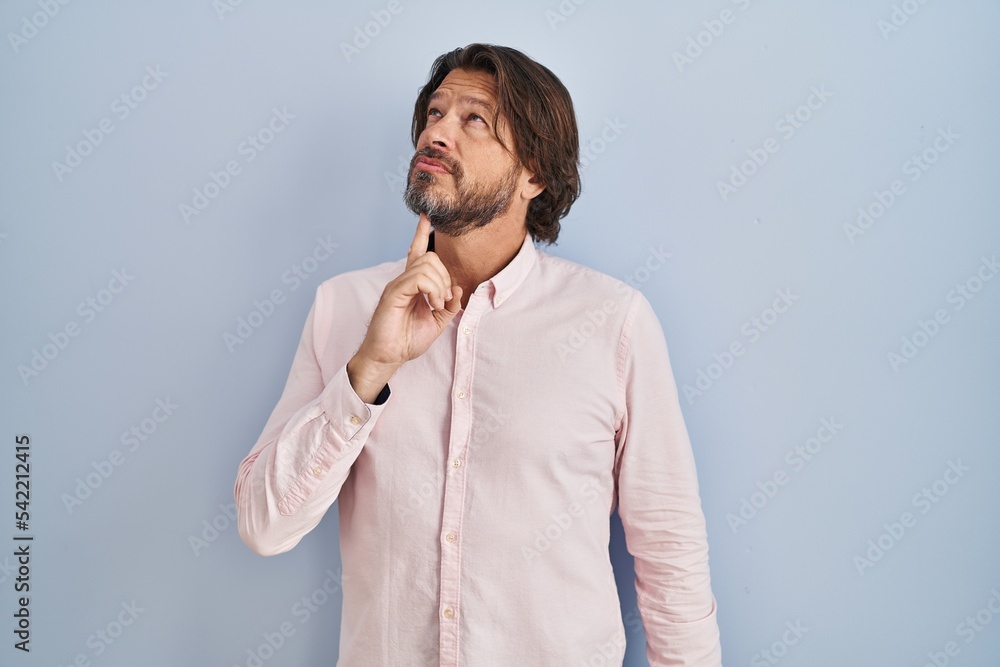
(510, 277)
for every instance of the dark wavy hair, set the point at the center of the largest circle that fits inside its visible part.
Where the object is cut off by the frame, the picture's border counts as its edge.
(539, 111)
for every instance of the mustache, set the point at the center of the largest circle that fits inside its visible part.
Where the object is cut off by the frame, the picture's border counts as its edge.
(435, 154)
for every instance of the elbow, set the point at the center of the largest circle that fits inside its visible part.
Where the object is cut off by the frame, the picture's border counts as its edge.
(260, 545)
(254, 525)
(260, 540)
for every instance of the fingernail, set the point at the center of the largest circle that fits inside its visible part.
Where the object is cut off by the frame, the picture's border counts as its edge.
(450, 297)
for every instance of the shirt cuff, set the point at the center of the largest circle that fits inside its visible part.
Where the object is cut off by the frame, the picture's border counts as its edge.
(327, 438)
(382, 395)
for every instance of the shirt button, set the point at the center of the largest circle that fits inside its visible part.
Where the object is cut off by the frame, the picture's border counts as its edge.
(456, 463)
(499, 300)
(450, 537)
(355, 420)
(461, 394)
(466, 330)
(448, 613)
(317, 471)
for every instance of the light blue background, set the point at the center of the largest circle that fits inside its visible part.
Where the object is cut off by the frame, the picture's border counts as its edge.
(332, 173)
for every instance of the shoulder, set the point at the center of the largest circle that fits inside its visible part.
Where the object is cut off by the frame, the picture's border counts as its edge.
(361, 282)
(619, 300)
(345, 302)
(352, 295)
(590, 284)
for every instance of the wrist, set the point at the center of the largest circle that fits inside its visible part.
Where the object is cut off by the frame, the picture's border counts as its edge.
(368, 377)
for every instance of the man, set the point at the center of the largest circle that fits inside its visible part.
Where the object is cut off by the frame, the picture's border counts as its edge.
(529, 396)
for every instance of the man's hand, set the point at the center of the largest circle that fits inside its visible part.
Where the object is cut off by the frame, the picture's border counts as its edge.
(414, 309)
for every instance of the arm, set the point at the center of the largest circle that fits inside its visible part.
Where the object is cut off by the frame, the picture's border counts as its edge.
(295, 471)
(659, 504)
(315, 433)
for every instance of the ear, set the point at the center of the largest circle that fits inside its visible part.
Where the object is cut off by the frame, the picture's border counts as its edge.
(531, 185)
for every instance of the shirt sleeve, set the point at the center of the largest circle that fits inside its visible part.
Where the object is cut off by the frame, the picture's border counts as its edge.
(659, 503)
(297, 467)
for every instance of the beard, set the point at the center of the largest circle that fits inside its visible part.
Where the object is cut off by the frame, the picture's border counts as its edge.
(474, 204)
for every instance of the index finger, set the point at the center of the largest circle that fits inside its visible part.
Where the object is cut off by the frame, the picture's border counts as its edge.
(419, 246)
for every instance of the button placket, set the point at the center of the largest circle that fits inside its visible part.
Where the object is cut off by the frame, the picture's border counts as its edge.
(455, 478)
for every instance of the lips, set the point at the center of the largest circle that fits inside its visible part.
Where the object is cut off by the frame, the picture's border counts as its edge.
(430, 164)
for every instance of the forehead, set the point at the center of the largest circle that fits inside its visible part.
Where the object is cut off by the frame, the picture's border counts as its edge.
(481, 85)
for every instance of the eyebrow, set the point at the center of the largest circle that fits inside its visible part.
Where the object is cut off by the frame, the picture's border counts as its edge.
(464, 99)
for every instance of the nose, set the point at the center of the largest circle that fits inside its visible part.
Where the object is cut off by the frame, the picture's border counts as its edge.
(441, 133)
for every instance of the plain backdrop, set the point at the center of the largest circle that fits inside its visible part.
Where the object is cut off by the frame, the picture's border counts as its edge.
(822, 178)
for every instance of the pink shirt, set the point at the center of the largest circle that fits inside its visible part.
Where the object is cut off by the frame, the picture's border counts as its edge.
(475, 499)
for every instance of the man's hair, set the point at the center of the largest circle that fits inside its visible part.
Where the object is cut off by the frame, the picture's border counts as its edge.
(539, 111)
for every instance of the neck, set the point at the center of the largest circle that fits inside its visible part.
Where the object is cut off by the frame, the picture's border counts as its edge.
(480, 254)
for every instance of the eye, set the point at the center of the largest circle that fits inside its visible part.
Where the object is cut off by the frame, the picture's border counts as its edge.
(432, 111)
(475, 116)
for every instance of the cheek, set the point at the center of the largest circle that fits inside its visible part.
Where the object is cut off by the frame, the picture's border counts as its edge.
(491, 166)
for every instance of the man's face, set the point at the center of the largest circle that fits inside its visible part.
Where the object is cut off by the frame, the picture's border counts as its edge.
(460, 175)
